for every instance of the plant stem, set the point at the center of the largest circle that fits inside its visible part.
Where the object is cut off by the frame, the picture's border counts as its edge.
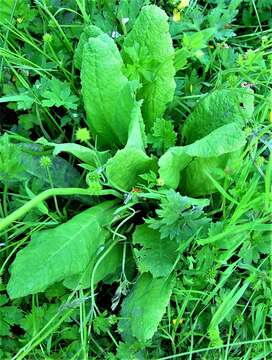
(17, 214)
(54, 197)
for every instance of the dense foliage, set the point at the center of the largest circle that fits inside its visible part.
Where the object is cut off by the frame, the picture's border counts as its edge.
(136, 178)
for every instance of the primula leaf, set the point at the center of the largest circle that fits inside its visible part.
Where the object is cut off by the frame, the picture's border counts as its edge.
(108, 95)
(143, 308)
(226, 139)
(217, 109)
(55, 254)
(149, 55)
(156, 255)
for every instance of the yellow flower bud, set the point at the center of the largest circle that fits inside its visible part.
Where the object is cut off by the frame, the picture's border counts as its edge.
(183, 4)
(176, 15)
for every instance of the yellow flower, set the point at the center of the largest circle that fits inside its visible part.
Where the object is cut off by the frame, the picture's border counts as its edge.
(183, 4)
(270, 116)
(176, 15)
(181, 321)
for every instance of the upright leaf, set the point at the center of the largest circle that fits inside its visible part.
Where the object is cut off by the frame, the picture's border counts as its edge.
(89, 32)
(149, 55)
(143, 308)
(129, 10)
(108, 95)
(124, 168)
(55, 254)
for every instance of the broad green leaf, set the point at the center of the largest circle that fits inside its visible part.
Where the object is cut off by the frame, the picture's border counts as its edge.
(6, 10)
(226, 139)
(217, 109)
(195, 182)
(129, 9)
(55, 254)
(89, 32)
(181, 56)
(63, 174)
(105, 271)
(22, 162)
(124, 169)
(156, 255)
(149, 56)
(108, 95)
(143, 308)
(87, 155)
(110, 265)
(171, 164)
